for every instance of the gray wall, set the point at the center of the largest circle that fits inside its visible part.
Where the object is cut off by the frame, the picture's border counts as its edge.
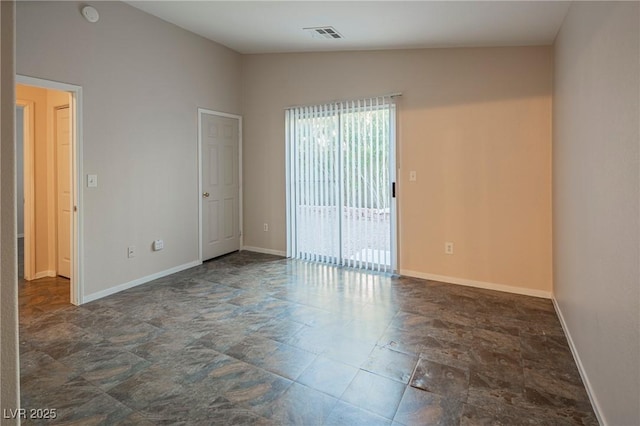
(9, 379)
(143, 80)
(596, 199)
(20, 169)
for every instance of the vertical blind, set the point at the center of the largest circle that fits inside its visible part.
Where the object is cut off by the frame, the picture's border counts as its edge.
(340, 172)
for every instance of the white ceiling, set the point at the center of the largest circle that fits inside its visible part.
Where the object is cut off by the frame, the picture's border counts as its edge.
(276, 26)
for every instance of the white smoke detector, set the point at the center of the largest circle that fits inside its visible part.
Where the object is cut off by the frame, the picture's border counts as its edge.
(90, 14)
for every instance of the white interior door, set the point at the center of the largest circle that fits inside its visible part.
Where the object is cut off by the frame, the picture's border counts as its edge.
(63, 189)
(220, 144)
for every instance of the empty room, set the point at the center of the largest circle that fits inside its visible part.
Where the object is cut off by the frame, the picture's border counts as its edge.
(320, 212)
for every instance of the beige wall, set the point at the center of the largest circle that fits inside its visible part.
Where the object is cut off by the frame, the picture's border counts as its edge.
(475, 124)
(596, 199)
(143, 80)
(9, 381)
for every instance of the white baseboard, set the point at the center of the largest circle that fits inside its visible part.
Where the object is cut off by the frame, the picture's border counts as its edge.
(112, 290)
(44, 274)
(576, 357)
(478, 284)
(264, 250)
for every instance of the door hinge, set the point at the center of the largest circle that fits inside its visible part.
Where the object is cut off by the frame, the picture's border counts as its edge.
(393, 190)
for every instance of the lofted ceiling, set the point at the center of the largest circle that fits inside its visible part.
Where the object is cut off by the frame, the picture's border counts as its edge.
(277, 26)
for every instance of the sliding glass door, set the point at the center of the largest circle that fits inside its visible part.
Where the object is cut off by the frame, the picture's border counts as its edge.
(340, 178)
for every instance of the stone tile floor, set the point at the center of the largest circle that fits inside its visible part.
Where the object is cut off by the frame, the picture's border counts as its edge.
(256, 339)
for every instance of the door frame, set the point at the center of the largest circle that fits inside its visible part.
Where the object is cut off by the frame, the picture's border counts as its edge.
(393, 177)
(55, 192)
(77, 226)
(201, 112)
(28, 124)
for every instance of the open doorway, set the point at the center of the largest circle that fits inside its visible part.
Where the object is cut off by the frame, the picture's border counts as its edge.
(47, 146)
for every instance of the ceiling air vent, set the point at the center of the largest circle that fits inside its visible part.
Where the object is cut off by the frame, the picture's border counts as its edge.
(324, 32)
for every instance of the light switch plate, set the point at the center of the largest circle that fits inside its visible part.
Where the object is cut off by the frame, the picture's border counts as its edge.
(92, 181)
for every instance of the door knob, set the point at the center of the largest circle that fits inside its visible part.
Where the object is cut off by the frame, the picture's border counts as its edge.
(205, 195)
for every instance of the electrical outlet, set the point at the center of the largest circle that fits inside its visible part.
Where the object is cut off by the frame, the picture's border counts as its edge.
(158, 245)
(131, 252)
(266, 227)
(448, 248)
